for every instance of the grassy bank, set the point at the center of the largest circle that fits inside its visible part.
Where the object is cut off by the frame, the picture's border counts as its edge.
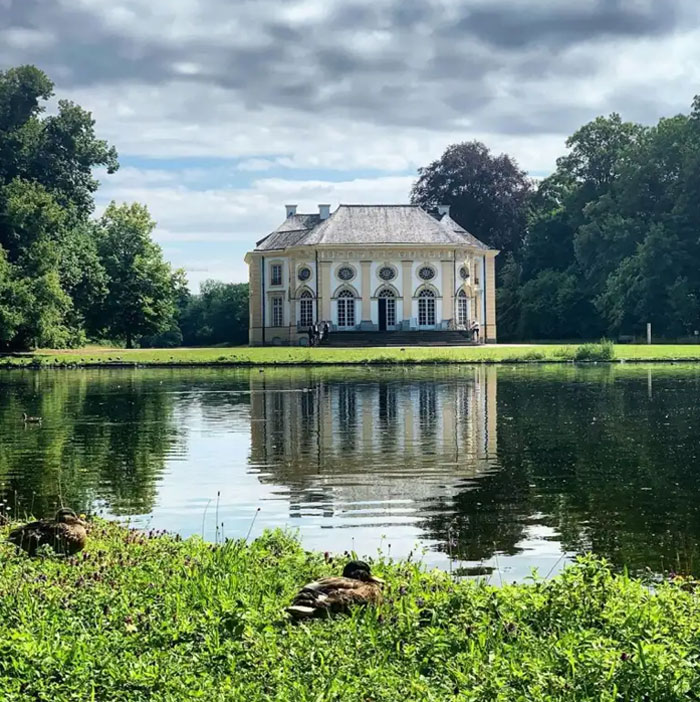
(556, 353)
(148, 617)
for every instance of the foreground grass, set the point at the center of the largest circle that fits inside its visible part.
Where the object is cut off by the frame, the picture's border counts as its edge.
(338, 356)
(149, 617)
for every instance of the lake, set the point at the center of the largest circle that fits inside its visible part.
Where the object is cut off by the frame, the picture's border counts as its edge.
(506, 468)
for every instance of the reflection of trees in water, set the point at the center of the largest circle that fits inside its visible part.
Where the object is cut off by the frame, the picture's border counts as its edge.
(585, 451)
(591, 454)
(105, 435)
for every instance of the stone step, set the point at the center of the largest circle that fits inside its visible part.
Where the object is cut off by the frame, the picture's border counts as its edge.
(399, 338)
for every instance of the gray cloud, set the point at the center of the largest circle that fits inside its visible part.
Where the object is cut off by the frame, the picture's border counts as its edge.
(509, 25)
(436, 63)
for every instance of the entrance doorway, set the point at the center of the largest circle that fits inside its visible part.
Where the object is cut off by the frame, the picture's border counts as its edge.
(382, 314)
(386, 306)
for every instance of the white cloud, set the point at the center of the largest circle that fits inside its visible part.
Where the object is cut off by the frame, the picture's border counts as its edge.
(232, 219)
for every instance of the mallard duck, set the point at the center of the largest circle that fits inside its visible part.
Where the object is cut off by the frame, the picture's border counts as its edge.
(30, 420)
(357, 586)
(65, 533)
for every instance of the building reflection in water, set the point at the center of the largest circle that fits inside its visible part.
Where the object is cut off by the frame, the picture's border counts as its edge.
(374, 453)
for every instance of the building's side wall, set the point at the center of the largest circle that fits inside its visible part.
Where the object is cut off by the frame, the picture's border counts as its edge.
(490, 292)
(255, 334)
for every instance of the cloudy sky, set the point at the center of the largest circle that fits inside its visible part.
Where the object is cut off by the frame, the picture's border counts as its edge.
(225, 110)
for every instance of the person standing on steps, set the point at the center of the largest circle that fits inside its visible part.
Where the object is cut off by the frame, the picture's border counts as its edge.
(475, 330)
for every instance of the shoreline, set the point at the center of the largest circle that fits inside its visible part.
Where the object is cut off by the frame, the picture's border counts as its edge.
(245, 357)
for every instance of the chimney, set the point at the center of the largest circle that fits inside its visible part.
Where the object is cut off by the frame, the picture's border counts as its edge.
(324, 211)
(443, 210)
(291, 210)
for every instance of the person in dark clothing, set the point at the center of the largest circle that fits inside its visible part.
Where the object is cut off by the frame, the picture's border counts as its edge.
(326, 331)
(310, 332)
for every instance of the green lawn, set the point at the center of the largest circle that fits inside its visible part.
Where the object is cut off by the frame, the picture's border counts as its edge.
(139, 617)
(335, 356)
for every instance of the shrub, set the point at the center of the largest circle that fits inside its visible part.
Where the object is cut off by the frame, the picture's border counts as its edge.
(604, 350)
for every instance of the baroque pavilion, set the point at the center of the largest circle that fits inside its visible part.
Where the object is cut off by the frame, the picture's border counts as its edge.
(370, 268)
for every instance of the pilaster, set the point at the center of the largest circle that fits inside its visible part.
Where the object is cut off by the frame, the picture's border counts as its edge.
(366, 292)
(255, 301)
(489, 287)
(324, 289)
(448, 289)
(407, 285)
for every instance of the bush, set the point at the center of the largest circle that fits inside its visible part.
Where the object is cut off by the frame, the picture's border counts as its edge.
(604, 350)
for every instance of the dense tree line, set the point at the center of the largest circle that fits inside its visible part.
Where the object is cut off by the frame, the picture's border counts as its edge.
(217, 316)
(606, 243)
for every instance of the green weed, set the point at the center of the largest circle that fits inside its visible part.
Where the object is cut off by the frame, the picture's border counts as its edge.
(149, 617)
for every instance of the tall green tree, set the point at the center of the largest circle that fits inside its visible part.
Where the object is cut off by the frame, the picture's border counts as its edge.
(51, 273)
(141, 287)
(488, 194)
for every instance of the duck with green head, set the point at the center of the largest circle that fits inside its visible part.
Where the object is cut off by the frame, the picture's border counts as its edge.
(357, 586)
(65, 533)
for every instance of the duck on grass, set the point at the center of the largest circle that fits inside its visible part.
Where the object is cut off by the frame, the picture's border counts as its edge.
(147, 616)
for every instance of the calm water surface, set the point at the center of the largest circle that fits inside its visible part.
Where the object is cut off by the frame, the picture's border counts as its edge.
(509, 467)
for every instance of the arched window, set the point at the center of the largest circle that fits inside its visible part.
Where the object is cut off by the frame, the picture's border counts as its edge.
(462, 308)
(426, 308)
(306, 309)
(387, 309)
(346, 309)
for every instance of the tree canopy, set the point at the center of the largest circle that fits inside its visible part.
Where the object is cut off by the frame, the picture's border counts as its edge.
(487, 194)
(605, 244)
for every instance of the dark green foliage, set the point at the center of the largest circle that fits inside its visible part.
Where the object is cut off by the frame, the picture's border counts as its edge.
(488, 194)
(218, 315)
(605, 244)
(612, 236)
(150, 617)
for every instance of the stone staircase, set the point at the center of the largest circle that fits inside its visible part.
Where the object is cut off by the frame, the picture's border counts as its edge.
(399, 338)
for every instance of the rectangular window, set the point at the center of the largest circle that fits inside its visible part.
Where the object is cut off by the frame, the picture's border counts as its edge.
(462, 314)
(277, 318)
(426, 312)
(276, 274)
(306, 312)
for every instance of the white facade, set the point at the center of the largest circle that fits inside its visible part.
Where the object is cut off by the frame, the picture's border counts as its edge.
(440, 285)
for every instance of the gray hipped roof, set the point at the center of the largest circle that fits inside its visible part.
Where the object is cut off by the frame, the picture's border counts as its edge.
(369, 225)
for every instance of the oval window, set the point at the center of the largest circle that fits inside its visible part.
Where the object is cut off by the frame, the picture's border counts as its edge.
(346, 273)
(426, 273)
(387, 273)
(464, 273)
(304, 273)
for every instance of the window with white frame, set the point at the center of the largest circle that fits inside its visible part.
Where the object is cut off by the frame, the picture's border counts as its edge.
(277, 314)
(462, 308)
(426, 308)
(306, 309)
(390, 298)
(276, 274)
(346, 309)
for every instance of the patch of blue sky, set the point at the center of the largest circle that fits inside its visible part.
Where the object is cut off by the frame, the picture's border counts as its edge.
(203, 173)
